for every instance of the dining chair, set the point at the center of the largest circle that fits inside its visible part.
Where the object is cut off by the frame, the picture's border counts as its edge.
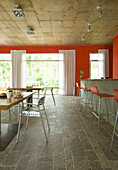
(35, 111)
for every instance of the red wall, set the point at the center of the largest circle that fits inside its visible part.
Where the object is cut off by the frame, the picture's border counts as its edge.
(115, 57)
(82, 54)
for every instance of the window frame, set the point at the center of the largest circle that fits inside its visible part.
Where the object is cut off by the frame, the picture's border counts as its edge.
(90, 61)
(58, 60)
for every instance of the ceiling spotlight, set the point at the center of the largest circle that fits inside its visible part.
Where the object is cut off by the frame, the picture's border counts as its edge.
(18, 12)
(100, 14)
(83, 37)
(30, 31)
(89, 28)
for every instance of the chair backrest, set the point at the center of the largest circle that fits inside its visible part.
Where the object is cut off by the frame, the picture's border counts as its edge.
(116, 94)
(94, 90)
(41, 101)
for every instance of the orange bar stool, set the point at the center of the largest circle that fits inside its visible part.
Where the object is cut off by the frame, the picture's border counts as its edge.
(95, 93)
(114, 131)
(79, 97)
(76, 86)
(86, 92)
(78, 90)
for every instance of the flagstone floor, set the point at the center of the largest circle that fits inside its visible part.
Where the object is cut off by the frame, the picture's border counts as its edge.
(74, 142)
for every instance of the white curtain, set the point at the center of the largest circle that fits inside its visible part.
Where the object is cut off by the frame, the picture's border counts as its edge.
(69, 71)
(18, 68)
(105, 52)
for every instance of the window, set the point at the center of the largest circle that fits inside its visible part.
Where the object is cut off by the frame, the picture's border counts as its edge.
(5, 69)
(43, 69)
(97, 66)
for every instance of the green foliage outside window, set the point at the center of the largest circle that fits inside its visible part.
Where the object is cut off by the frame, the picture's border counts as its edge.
(5, 68)
(42, 73)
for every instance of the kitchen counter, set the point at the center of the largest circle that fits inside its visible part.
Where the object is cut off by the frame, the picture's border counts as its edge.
(104, 86)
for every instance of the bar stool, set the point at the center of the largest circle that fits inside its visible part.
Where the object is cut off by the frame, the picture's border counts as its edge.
(79, 97)
(114, 131)
(85, 97)
(94, 91)
(78, 90)
(85, 93)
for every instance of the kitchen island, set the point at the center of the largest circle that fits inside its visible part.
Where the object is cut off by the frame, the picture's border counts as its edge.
(104, 86)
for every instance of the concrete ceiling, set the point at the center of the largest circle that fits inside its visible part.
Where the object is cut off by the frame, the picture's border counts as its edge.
(58, 22)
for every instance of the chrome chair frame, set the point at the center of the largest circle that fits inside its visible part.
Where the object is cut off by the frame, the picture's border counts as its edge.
(29, 112)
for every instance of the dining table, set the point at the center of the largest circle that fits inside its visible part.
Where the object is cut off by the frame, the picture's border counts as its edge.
(31, 88)
(28, 89)
(7, 130)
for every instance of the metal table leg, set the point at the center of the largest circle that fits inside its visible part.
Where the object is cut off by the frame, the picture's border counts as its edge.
(7, 133)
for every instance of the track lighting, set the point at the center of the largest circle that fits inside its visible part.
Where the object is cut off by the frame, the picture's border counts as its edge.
(18, 12)
(83, 37)
(89, 28)
(100, 14)
(30, 31)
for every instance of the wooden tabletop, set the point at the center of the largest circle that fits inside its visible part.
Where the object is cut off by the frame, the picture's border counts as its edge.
(8, 103)
(31, 88)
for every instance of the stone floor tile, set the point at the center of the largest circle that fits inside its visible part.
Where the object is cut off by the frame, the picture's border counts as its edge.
(19, 146)
(106, 149)
(7, 168)
(80, 163)
(12, 158)
(30, 150)
(103, 160)
(23, 163)
(77, 148)
(69, 165)
(45, 166)
(113, 165)
(91, 155)
(58, 168)
(95, 165)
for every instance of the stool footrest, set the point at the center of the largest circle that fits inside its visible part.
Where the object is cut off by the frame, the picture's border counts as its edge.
(111, 113)
(95, 115)
(116, 134)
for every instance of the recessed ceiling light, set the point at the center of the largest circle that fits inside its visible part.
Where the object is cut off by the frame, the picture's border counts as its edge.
(18, 12)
